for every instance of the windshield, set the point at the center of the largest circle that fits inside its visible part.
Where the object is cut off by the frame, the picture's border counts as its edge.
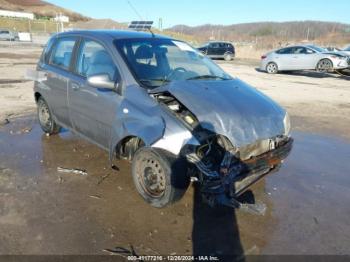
(347, 49)
(317, 48)
(156, 62)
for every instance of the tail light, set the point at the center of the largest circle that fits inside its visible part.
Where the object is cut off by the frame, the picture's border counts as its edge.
(263, 57)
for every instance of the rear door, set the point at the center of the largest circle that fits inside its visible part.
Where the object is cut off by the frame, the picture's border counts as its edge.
(93, 110)
(58, 72)
(284, 58)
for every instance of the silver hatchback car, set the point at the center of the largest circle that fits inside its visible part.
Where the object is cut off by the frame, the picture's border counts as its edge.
(303, 57)
(166, 107)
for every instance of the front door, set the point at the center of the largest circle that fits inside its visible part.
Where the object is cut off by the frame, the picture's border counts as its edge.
(93, 110)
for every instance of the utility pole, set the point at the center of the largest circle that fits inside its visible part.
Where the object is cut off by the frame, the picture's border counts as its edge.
(62, 25)
(29, 26)
(160, 24)
(307, 35)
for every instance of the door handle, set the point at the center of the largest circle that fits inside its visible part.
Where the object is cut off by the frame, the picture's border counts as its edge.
(75, 86)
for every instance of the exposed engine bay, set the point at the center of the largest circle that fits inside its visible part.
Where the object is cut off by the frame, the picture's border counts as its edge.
(223, 170)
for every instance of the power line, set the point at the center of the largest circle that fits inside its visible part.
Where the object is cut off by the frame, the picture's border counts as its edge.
(134, 9)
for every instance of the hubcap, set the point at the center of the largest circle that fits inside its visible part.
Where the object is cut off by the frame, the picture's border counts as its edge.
(271, 68)
(324, 65)
(151, 177)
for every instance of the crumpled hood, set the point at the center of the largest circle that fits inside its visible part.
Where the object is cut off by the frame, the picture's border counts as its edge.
(231, 108)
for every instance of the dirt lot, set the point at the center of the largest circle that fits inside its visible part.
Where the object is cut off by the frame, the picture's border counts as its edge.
(43, 211)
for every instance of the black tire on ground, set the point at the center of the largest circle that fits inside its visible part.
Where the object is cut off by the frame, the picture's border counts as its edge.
(159, 177)
(272, 68)
(228, 57)
(324, 65)
(46, 121)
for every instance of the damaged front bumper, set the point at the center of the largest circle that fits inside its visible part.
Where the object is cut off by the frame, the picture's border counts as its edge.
(223, 185)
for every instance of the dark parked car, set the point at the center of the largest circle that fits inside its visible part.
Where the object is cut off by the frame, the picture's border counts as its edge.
(219, 50)
(166, 107)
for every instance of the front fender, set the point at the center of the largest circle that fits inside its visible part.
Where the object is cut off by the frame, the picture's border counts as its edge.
(138, 115)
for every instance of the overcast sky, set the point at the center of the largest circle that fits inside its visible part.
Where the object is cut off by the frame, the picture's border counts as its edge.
(196, 12)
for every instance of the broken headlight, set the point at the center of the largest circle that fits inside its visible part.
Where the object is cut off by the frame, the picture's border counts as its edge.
(177, 108)
(286, 123)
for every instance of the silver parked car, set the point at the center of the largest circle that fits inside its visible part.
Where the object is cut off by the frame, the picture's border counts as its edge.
(8, 35)
(166, 107)
(303, 57)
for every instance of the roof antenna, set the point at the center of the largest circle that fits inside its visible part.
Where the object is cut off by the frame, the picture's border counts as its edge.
(140, 25)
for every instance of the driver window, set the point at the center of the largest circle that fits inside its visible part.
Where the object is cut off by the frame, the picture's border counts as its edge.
(309, 51)
(94, 59)
(299, 50)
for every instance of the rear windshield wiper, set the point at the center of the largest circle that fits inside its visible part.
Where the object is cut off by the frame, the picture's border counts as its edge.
(207, 77)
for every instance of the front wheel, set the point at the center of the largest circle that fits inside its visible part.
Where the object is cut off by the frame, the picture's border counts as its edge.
(272, 68)
(159, 177)
(46, 121)
(324, 65)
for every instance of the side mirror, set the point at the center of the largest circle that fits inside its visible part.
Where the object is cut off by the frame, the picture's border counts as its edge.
(102, 81)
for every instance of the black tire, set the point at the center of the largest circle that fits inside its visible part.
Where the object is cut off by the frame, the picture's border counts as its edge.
(159, 177)
(46, 121)
(272, 68)
(324, 65)
(228, 57)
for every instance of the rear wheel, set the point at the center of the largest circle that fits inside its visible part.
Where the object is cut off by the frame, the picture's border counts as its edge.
(159, 177)
(47, 124)
(228, 57)
(272, 68)
(324, 65)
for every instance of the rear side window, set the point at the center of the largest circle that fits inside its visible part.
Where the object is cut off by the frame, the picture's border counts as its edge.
(94, 59)
(309, 51)
(62, 53)
(287, 50)
(299, 50)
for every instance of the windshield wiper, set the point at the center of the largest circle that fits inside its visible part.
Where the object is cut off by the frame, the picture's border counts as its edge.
(207, 77)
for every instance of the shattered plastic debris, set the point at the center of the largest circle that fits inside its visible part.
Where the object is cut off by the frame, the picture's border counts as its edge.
(72, 170)
(194, 179)
(95, 196)
(21, 131)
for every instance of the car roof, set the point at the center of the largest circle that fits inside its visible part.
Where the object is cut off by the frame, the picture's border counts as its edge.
(115, 34)
(225, 42)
